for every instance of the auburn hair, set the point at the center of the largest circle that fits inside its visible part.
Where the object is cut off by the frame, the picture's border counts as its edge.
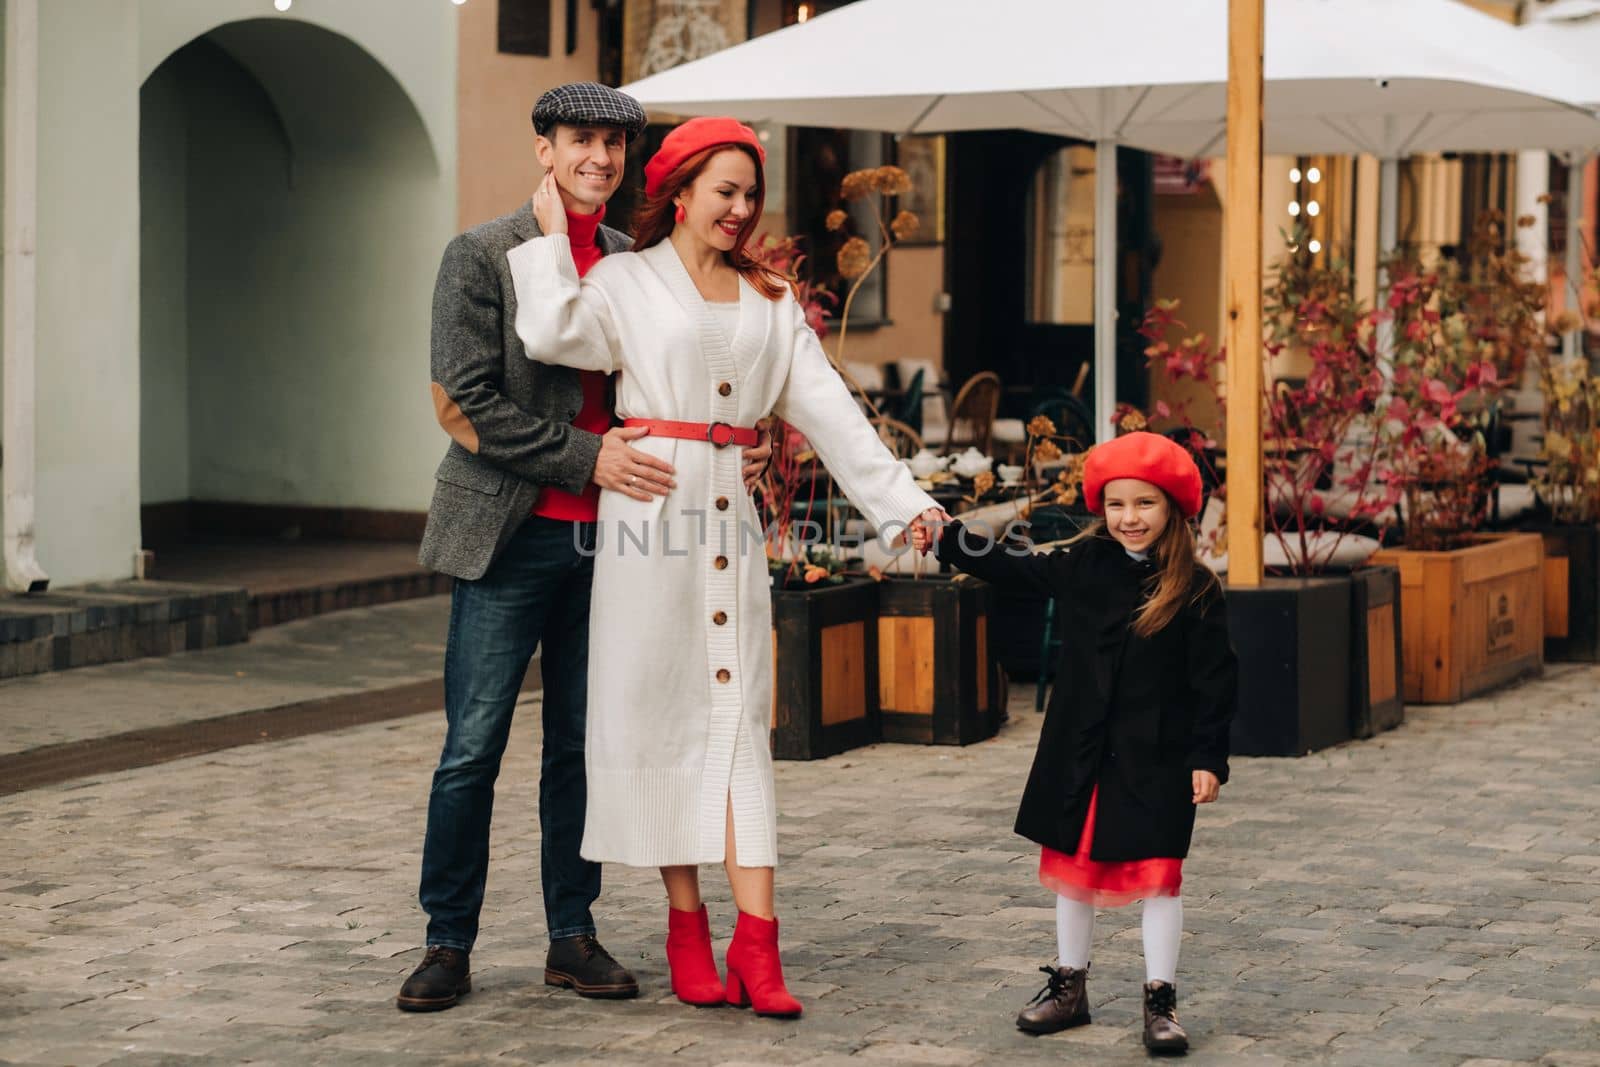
(1176, 568)
(656, 217)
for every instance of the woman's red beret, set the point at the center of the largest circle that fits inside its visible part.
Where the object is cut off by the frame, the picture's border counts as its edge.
(693, 137)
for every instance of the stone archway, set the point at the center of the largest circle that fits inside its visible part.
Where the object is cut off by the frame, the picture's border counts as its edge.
(292, 215)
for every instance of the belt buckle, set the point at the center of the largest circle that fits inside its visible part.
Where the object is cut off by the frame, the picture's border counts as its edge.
(711, 434)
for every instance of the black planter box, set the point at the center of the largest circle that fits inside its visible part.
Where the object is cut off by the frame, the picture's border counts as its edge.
(1292, 636)
(1571, 593)
(1377, 696)
(937, 681)
(824, 669)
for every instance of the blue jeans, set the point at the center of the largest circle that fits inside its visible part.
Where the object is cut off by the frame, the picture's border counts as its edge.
(536, 593)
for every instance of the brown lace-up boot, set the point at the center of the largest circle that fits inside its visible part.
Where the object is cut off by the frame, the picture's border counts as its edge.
(1062, 1003)
(1161, 1030)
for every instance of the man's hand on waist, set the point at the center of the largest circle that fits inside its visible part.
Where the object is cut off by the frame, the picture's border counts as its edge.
(624, 469)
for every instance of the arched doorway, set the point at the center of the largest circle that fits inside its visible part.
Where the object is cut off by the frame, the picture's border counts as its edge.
(292, 206)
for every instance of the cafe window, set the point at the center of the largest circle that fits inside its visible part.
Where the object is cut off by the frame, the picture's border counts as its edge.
(1059, 239)
(524, 28)
(818, 161)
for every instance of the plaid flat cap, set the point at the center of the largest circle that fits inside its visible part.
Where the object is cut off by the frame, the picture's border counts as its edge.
(588, 104)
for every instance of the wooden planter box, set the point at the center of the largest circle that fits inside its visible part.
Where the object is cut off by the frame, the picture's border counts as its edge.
(1472, 617)
(824, 669)
(1376, 659)
(937, 682)
(1292, 636)
(1571, 593)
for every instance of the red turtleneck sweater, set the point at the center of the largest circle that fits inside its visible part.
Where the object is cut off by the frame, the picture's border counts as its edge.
(595, 415)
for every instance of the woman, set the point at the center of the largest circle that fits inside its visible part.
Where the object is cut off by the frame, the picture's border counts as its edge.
(680, 669)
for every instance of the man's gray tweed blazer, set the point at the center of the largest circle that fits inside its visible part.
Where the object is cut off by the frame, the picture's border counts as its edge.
(509, 418)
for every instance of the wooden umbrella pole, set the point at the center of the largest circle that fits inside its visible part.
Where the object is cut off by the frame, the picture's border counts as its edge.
(1242, 214)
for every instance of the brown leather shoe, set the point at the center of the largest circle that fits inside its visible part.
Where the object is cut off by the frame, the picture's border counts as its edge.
(1161, 1030)
(583, 964)
(441, 979)
(1062, 1003)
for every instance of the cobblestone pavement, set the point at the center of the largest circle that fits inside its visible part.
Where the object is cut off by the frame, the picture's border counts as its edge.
(1427, 898)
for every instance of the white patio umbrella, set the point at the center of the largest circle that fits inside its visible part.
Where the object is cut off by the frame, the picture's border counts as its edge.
(1387, 77)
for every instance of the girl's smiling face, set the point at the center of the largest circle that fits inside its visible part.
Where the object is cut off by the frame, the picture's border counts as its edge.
(1136, 513)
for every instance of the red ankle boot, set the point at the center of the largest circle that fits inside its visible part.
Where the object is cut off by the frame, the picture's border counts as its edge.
(755, 973)
(694, 969)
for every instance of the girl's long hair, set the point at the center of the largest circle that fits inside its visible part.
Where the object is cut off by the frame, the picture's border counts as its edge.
(655, 219)
(1175, 572)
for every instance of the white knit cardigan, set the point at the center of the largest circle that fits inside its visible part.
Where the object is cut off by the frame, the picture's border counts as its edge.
(680, 645)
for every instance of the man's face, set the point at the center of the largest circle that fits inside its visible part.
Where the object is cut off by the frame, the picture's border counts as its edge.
(587, 162)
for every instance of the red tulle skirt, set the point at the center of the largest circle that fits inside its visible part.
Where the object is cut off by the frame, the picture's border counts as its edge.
(1106, 885)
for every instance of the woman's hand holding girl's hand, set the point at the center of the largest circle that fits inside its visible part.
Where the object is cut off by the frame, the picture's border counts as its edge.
(925, 528)
(547, 208)
(1205, 787)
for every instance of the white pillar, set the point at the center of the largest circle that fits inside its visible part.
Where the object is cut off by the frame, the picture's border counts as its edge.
(17, 465)
(1571, 343)
(1533, 187)
(1105, 288)
(1388, 239)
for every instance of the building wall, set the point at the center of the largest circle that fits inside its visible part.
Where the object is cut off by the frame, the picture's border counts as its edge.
(94, 57)
(1190, 272)
(164, 283)
(916, 326)
(498, 170)
(87, 389)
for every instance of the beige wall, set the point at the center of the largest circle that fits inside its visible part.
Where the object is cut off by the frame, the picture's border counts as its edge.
(496, 93)
(497, 168)
(1190, 272)
(1500, 9)
(916, 278)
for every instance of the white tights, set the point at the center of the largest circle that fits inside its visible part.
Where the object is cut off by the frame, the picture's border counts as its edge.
(1162, 927)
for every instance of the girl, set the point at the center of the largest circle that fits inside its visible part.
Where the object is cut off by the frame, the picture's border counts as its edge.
(708, 341)
(1136, 733)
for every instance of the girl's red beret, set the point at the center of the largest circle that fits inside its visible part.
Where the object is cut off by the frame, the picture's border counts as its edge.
(1148, 457)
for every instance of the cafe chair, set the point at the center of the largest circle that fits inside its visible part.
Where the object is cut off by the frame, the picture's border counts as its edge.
(971, 416)
(901, 439)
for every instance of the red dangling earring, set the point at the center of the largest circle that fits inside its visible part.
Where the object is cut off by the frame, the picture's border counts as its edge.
(678, 213)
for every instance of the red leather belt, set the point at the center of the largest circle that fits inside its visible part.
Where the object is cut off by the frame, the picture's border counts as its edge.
(720, 434)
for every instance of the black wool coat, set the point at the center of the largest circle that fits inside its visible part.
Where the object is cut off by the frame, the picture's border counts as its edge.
(1134, 715)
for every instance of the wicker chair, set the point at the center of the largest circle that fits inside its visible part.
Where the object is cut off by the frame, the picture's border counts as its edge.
(902, 440)
(972, 413)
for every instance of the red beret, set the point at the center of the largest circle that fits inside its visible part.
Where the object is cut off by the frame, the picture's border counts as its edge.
(1148, 457)
(692, 137)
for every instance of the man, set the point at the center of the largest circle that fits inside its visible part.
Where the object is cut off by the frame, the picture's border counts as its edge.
(513, 520)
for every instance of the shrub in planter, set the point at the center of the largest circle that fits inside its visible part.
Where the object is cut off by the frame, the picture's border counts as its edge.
(1473, 612)
(1317, 641)
(937, 677)
(824, 672)
(1568, 487)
